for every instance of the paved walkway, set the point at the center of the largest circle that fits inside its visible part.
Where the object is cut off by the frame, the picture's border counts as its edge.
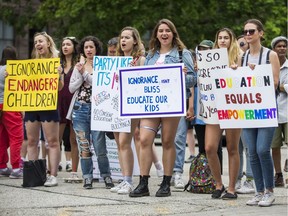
(72, 200)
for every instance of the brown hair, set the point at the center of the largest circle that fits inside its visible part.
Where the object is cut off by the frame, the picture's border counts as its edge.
(256, 22)
(75, 56)
(154, 43)
(8, 53)
(234, 50)
(136, 48)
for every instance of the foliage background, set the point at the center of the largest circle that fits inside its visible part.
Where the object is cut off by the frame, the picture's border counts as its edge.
(195, 19)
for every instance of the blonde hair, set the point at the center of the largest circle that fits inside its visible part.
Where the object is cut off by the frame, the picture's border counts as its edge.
(234, 50)
(154, 43)
(53, 52)
(136, 51)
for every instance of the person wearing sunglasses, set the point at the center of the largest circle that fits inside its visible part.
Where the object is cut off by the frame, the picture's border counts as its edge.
(259, 139)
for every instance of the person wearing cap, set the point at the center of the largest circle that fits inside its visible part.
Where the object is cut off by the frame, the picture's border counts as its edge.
(205, 44)
(279, 45)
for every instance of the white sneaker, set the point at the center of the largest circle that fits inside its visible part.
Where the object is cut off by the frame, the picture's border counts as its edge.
(238, 184)
(255, 200)
(160, 172)
(178, 181)
(267, 199)
(246, 188)
(117, 187)
(51, 181)
(126, 188)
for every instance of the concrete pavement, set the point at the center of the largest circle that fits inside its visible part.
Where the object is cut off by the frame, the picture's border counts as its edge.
(72, 200)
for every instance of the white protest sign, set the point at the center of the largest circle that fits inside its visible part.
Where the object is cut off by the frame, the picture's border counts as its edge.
(105, 96)
(152, 91)
(245, 98)
(207, 62)
(113, 157)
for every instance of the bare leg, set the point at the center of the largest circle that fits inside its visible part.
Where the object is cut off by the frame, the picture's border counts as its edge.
(232, 138)
(51, 131)
(212, 138)
(191, 141)
(276, 155)
(125, 150)
(169, 129)
(32, 129)
(148, 128)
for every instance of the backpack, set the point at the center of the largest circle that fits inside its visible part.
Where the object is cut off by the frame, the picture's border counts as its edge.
(200, 176)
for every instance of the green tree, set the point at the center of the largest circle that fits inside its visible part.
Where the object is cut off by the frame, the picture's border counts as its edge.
(195, 20)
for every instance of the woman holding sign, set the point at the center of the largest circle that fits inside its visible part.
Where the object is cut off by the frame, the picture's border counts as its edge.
(165, 48)
(259, 140)
(44, 47)
(225, 38)
(129, 44)
(80, 107)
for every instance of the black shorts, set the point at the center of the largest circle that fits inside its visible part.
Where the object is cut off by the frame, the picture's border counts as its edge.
(42, 116)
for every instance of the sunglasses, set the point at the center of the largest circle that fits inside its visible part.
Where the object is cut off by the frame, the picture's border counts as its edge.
(250, 31)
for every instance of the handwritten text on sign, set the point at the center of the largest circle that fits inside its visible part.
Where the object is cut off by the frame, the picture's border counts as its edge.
(208, 61)
(150, 91)
(105, 96)
(245, 97)
(31, 85)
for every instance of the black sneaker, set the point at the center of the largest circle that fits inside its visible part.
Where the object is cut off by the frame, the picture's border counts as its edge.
(108, 182)
(88, 183)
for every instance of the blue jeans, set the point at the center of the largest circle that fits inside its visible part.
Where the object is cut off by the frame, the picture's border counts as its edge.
(259, 144)
(180, 143)
(243, 147)
(81, 118)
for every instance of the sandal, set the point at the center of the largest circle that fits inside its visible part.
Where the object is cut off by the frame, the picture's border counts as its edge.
(217, 193)
(228, 196)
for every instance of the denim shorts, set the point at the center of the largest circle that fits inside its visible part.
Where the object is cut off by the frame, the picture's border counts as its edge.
(42, 116)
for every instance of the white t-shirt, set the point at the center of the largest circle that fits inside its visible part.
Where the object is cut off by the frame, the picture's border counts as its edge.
(161, 59)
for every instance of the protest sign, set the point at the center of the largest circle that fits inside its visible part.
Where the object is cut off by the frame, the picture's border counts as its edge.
(105, 96)
(207, 62)
(31, 85)
(113, 157)
(245, 98)
(152, 91)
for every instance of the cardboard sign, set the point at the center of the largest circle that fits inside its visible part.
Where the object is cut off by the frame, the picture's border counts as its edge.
(152, 91)
(208, 61)
(245, 98)
(31, 85)
(105, 96)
